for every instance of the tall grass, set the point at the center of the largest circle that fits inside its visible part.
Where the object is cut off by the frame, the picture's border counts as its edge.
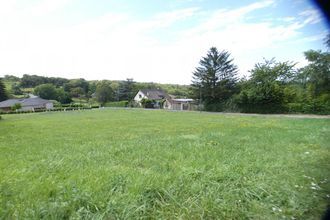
(153, 164)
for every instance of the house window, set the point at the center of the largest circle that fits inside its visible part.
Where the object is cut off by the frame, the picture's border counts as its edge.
(140, 96)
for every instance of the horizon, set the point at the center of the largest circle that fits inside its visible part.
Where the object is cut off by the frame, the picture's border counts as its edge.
(91, 80)
(159, 42)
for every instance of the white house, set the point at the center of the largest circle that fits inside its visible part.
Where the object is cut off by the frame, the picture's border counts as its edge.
(163, 100)
(152, 94)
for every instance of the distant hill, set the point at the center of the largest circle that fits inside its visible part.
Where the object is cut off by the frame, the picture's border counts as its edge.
(28, 82)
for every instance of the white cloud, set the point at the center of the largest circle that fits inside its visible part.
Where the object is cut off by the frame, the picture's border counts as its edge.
(312, 16)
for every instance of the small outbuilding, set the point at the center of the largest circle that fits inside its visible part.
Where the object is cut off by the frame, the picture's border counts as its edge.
(28, 104)
(180, 104)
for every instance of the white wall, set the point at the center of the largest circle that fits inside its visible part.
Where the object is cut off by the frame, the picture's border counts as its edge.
(139, 96)
(49, 105)
(26, 108)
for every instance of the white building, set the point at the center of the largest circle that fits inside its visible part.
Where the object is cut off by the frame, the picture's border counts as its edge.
(157, 95)
(179, 104)
(163, 100)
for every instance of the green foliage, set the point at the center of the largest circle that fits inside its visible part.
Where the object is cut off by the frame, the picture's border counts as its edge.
(11, 78)
(77, 83)
(127, 90)
(151, 103)
(138, 164)
(147, 103)
(319, 105)
(104, 92)
(16, 106)
(46, 91)
(62, 96)
(77, 92)
(214, 81)
(264, 92)
(30, 81)
(16, 89)
(317, 72)
(116, 104)
(3, 92)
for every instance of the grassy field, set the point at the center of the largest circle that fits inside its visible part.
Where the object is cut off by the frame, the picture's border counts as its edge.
(152, 164)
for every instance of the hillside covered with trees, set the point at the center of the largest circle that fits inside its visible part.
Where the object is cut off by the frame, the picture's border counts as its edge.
(68, 90)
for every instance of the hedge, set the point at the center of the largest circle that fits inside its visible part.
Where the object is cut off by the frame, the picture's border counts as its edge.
(116, 104)
(46, 110)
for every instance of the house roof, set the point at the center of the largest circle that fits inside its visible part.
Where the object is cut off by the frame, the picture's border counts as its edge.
(24, 102)
(9, 103)
(155, 94)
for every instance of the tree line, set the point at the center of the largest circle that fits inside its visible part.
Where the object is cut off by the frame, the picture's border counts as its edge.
(65, 90)
(273, 87)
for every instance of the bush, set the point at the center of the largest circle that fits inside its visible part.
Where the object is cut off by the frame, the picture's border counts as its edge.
(213, 107)
(295, 108)
(75, 105)
(319, 105)
(15, 107)
(47, 110)
(116, 104)
(148, 103)
(134, 104)
(225, 106)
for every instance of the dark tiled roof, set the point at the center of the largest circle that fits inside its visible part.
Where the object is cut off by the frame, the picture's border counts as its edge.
(35, 101)
(9, 103)
(155, 94)
(24, 102)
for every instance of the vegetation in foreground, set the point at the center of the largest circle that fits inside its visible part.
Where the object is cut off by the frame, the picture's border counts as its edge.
(142, 164)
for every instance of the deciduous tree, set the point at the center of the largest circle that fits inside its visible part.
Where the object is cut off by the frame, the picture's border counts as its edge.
(104, 92)
(46, 91)
(264, 91)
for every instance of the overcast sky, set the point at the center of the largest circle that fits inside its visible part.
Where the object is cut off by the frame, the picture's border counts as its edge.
(151, 40)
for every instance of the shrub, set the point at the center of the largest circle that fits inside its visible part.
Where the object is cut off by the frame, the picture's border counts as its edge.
(116, 104)
(76, 105)
(134, 104)
(148, 103)
(45, 110)
(16, 107)
(295, 107)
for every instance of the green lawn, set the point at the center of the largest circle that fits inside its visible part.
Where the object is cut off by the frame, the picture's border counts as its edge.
(131, 164)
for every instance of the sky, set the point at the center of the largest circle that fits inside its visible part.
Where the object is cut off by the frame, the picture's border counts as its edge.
(151, 40)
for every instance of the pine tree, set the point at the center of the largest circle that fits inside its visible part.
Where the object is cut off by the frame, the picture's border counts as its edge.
(215, 79)
(126, 89)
